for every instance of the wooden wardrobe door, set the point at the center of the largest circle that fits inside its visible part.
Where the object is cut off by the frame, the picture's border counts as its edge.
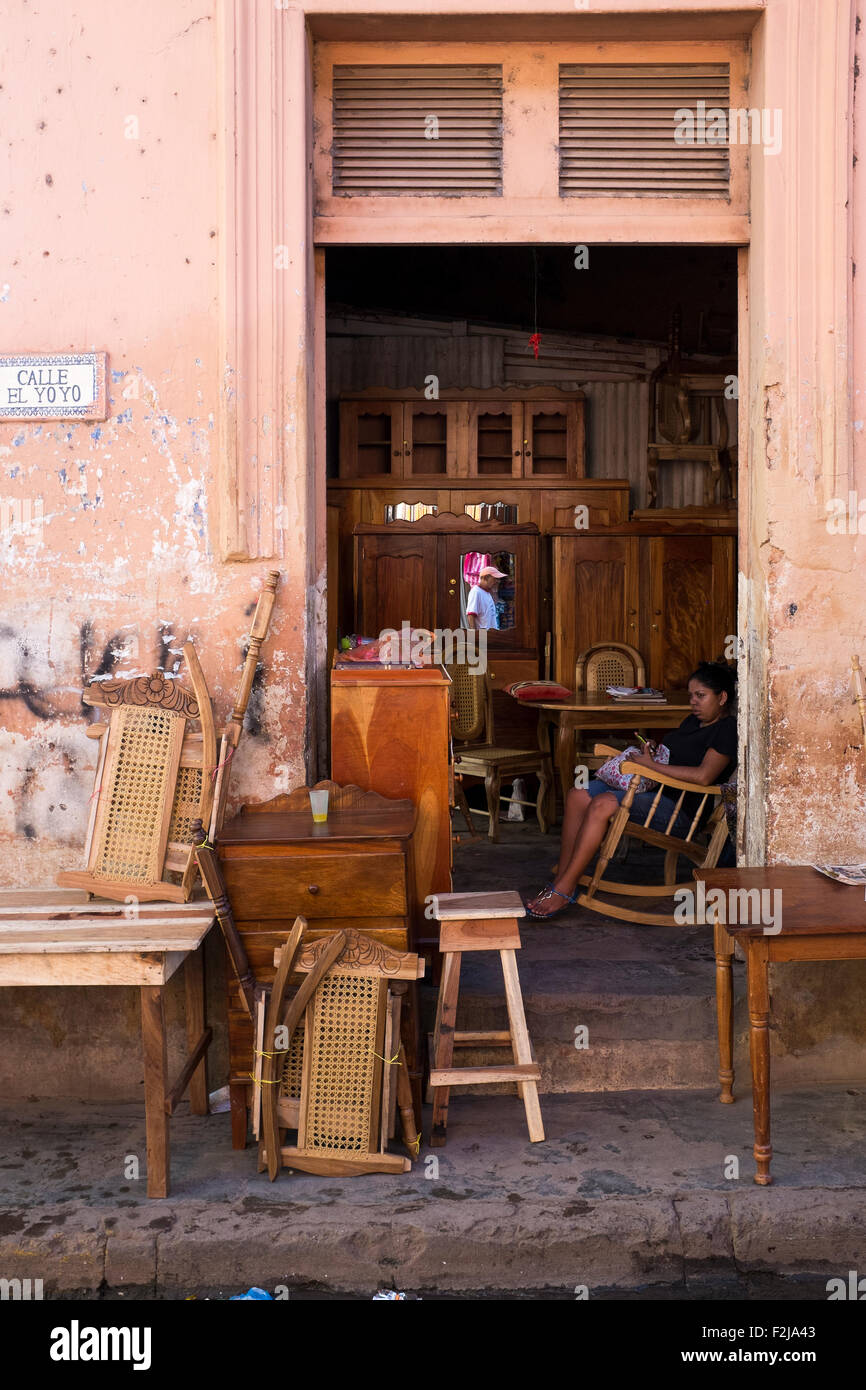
(595, 596)
(396, 581)
(692, 604)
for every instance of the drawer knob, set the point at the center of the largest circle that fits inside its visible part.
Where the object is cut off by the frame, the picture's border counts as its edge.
(313, 888)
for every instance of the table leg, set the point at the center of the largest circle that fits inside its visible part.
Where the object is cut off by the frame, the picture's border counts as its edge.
(565, 754)
(544, 723)
(757, 956)
(193, 976)
(724, 948)
(155, 1089)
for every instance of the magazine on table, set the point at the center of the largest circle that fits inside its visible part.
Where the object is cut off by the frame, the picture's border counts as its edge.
(855, 874)
(639, 694)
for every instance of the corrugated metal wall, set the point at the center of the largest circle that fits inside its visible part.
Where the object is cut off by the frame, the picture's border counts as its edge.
(366, 352)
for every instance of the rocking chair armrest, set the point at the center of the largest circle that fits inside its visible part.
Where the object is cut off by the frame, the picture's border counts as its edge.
(661, 776)
(600, 750)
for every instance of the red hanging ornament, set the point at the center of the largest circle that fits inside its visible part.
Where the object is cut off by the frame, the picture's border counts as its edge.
(535, 343)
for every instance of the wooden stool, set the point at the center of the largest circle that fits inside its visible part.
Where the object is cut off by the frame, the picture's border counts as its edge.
(480, 922)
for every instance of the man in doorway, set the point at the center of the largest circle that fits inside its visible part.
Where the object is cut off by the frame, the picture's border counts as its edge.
(480, 606)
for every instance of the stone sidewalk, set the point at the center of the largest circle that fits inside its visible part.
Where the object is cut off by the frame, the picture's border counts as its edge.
(627, 1195)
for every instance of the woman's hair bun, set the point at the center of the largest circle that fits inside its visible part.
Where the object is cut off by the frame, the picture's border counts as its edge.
(719, 676)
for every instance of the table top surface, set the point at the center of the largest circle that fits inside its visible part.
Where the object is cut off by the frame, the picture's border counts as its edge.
(292, 827)
(65, 922)
(810, 903)
(677, 700)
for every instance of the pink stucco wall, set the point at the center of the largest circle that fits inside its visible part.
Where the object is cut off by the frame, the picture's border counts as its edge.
(112, 219)
(110, 227)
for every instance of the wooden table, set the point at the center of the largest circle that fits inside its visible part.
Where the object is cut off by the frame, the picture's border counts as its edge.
(355, 870)
(56, 936)
(602, 714)
(820, 920)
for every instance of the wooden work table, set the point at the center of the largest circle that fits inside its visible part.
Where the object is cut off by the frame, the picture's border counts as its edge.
(820, 920)
(601, 714)
(354, 870)
(56, 936)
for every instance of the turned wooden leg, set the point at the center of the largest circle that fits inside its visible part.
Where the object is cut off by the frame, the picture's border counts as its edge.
(565, 754)
(759, 1050)
(443, 1041)
(545, 782)
(492, 788)
(193, 973)
(155, 1089)
(724, 948)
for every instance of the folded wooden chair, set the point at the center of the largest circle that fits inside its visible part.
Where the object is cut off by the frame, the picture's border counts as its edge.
(702, 845)
(350, 1070)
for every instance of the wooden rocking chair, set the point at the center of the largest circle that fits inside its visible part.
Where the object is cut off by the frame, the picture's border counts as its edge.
(701, 845)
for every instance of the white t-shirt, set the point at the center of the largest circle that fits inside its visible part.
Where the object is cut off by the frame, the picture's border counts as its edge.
(481, 604)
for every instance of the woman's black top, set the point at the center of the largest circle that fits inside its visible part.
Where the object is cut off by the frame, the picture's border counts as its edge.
(688, 745)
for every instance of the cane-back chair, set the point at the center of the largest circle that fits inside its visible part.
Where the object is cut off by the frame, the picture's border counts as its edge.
(154, 778)
(608, 663)
(477, 755)
(702, 844)
(344, 1074)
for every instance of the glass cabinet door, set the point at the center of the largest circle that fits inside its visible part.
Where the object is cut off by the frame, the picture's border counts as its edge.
(495, 439)
(430, 439)
(553, 440)
(371, 439)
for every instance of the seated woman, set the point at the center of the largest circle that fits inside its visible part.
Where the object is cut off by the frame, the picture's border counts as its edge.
(703, 749)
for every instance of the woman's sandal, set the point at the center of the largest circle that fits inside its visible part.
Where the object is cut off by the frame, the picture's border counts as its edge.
(547, 892)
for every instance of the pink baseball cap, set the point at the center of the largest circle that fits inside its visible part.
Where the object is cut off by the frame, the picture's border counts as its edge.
(491, 569)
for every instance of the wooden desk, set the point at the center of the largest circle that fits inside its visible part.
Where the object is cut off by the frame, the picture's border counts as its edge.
(602, 714)
(56, 936)
(355, 870)
(821, 920)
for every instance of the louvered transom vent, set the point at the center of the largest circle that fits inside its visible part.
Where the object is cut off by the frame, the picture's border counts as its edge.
(401, 131)
(644, 131)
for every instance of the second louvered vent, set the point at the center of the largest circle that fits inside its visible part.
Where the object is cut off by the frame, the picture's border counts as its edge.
(643, 131)
(402, 130)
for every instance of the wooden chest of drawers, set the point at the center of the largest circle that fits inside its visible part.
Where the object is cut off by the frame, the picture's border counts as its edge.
(357, 870)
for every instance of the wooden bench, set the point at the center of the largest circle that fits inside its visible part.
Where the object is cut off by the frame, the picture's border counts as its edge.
(57, 936)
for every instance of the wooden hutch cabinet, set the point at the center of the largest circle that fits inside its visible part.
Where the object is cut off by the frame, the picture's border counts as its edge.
(534, 433)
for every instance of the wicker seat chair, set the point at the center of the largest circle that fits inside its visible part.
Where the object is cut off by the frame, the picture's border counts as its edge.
(609, 663)
(478, 755)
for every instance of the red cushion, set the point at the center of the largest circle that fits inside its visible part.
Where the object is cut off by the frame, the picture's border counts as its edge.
(538, 690)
